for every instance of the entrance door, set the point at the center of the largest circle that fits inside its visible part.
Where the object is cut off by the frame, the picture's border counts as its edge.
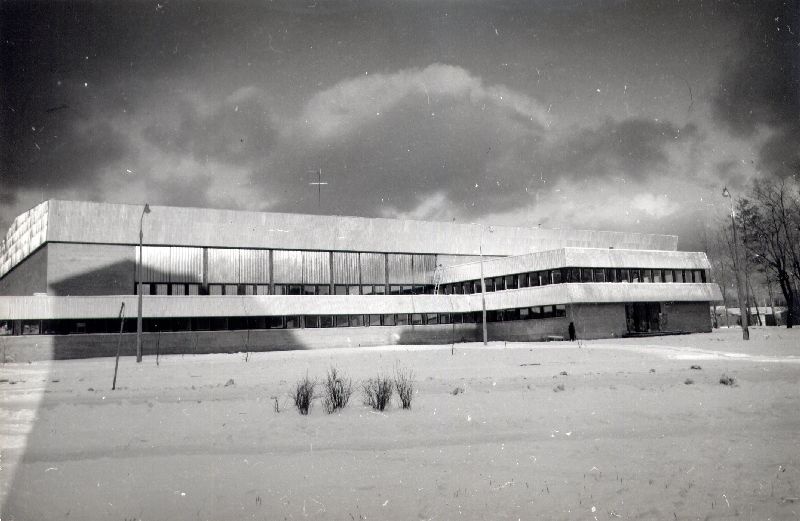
(643, 317)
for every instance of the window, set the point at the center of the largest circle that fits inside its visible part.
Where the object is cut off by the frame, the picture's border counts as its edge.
(657, 276)
(201, 324)
(408, 290)
(499, 284)
(647, 275)
(162, 289)
(418, 290)
(366, 290)
(624, 276)
(547, 311)
(402, 319)
(524, 313)
(587, 275)
(292, 322)
(340, 289)
(555, 276)
(432, 319)
(379, 290)
(669, 276)
(356, 320)
(678, 275)
(470, 318)
(323, 289)
(276, 323)
(416, 319)
(476, 286)
(444, 318)
(295, 289)
(219, 323)
(353, 290)
(511, 282)
(342, 321)
(193, 289)
(395, 290)
(309, 290)
(388, 320)
(178, 289)
(374, 320)
(533, 279)
(457, 289)
(560, 311)
(215, 289)
(635, 275)
(522, 280)
(311, 321)
(326, 321)
(599, 275)
(611, 275)
(572, 275)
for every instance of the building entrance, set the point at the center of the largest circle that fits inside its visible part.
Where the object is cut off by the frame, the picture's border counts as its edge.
(643, 317)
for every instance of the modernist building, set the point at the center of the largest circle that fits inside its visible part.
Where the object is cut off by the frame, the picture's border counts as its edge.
(220, 280)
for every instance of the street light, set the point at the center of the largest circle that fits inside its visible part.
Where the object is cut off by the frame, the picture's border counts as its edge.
(139, 278)
(742, 311)
(483, 287)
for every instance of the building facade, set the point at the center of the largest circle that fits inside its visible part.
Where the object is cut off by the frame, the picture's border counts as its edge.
(221, 280)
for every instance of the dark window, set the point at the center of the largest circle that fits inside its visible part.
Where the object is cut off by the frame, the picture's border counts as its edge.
(295, 289)
(402, 319)
(432, 319)
(524, 313)
(374, 320)
(669, 276)
(469, 318)
(456, 318)
(636, 275)
(292, 322)
(408, 290)
(444, 318)
(547, 311)
(276, 323)
(396, 290)
(587, 275)
(388, 320)
(201, 324)
(624, 276)
(533, 279)
(342, 321)
(311, 321)
(555, 276)
(611, 275)
(356, 320)
(522, 280)
(499, 284)
(418, 290)
(560, 311)
(323, 289)
(599, 275)
(512, 314)
(219, 323)
(466, 288)
(340, 290)
(573, 275)
(536, 312)
(457, 289)
(647, 275)
(416, 319)
(326, 321)
(309, 290)
(476, 285)
(511, 282)
(657, 276)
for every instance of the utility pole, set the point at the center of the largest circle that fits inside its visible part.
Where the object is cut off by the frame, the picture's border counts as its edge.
(742, 311)
(483, 289)
(139, 281)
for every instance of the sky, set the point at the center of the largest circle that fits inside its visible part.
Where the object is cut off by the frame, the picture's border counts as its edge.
(616, 115)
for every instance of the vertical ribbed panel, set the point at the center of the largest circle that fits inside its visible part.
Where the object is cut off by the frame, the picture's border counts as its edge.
(373, 268)
(223, 265)
(287, 267)
(345, 267)
(186, 264)
(400, 268)
(254, 266)
(316, 267)
(155, 263)
(423, 268)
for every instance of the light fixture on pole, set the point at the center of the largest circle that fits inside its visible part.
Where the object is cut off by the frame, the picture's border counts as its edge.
(743, 311)
(139, 291)
(318, 184)
(483, 288)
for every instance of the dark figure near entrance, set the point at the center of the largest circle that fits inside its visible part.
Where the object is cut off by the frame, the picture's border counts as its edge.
(572, 331)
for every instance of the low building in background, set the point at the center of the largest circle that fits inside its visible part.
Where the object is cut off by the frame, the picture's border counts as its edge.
(222, 281)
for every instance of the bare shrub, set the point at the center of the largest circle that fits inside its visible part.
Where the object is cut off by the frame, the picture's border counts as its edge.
(377, 392)
(727, 380)
(337, 389)
(458, 390)
(558, 388)
(696, 368)
(404, 384)
(688, 381)
(304, 394)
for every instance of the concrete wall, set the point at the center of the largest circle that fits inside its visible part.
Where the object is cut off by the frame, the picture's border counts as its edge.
(598, 320)
(90, 269)
(27, 278)
(527, 330)
(694, 317)
(52, 347)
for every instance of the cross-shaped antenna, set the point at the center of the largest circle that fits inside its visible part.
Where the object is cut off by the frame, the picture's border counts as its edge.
(319, 184)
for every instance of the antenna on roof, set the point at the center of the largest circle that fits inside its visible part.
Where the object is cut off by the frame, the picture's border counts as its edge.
(319, 184)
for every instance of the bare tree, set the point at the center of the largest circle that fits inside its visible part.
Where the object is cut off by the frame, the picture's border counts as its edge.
(770, 225)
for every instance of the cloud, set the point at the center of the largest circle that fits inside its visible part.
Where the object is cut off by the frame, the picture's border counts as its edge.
(760, 87)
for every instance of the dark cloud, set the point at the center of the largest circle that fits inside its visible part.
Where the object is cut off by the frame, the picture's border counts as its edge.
(634, 148)
(761, 85)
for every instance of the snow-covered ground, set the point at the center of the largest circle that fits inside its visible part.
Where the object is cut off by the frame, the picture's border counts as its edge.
(627, 438)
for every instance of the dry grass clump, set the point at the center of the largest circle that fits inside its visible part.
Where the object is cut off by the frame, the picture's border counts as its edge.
(689, 381)
(337, 390)
(727, 380)
(696, 367)
(559, 388)
(377, 392)
(404, 384)
(304, 394)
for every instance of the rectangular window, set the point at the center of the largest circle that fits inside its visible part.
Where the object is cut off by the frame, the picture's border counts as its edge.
(416, 319)
(512, 314)
(547, 311)
(470, 318)
(522, 280)
(511, 282)
(311, 321)
(624, 276)
(499, 284)
(356, 320)
(292, 322)
(647, 275)
(456, 318)
(401, 319)
(418, 290)
(374, 320)
(587, 275)
(295, 289)
(572, 275)
(309, 290)
(326, 321)
(193, 289)
(678, 275)
(599, 275)
(635, 275)
(366, 290)
(524, 313)
(611, 275)
(380, 290)
(342, 321)
(457, 289)
(669, 276)
(560, 311)
(276, 323)
(323, 289)
(432, 319)
(201, 324)
(476, 286)
(533, 279)
(215, 289)
(162, 289)
(657, 276)
(340, 289)
(555, 276)
(353, 290)
(280, 289)
(388, 320)
(395, 290)
(408, 290)
(219, 323)
(178, 289)
(444, 318)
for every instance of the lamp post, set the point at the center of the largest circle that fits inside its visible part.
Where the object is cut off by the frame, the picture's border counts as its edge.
(139, 282)
(483, 288)
(743, 312)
